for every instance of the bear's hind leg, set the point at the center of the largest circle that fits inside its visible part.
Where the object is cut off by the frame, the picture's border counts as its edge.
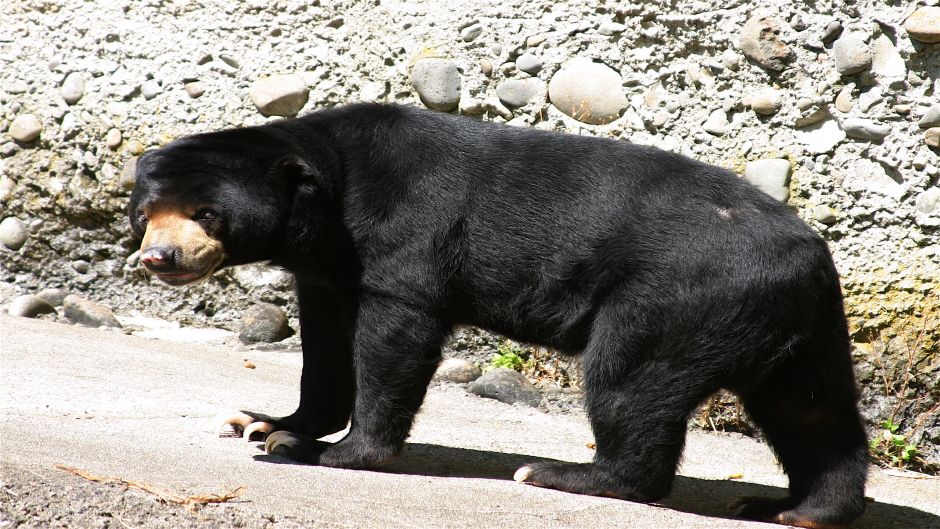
(639, 415)
(806, 407)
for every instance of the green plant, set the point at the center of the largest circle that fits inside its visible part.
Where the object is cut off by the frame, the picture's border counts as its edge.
(510, 355)
(891, 447)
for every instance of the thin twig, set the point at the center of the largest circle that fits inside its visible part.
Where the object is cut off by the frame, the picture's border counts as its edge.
(164, 495)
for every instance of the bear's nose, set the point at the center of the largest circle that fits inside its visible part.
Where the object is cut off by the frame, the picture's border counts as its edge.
(159, 257)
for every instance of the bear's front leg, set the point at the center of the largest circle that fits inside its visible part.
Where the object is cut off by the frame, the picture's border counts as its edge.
(397, 347)
(327, 385)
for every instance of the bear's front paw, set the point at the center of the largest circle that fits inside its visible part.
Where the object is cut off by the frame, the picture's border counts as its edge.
(240, 424)
(295, 446)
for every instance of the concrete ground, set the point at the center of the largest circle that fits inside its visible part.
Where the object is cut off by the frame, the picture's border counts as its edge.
(141, 410)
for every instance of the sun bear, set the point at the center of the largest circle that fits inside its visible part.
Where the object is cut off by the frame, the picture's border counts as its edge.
(672, 278)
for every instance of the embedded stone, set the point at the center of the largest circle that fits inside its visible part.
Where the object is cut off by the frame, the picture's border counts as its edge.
(924, 24)
(761, 43)
(85, 312)
(851, 54)
(438, 83)
(25, 128)
(771, 176)
(518, 92)
(588, 92)
(506, 385)
(279, 95)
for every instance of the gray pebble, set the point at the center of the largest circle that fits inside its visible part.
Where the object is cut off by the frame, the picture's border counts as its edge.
(264, 322)
(771, 176)
(53, 296)
(471, 32)
(824, 214)
(25, 128)
(851, 54)
(438, 83)
(587, 91)
(518, 92)
(457, 370)
(81, 266)
(832, 31)
(506, 385)
(865, 129)
(529, 63)
(85, 312)
(73, 88)
(931, 118)
(13, 233)
(29, 307)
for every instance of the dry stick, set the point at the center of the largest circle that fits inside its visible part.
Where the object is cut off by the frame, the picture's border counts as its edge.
(164, 495)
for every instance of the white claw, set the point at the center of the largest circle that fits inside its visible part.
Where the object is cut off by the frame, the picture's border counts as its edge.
(522, 474)
(260, 426)
(231, 424)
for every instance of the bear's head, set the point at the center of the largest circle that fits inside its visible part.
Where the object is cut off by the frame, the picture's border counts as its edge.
(209, 201)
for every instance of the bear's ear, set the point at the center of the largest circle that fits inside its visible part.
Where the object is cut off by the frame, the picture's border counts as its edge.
(295, 168)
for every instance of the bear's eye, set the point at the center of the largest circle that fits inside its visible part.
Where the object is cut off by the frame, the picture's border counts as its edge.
(142, 218)
(205, 215)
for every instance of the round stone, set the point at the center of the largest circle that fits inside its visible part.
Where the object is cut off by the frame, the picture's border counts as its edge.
(924, 24)
(932, 137)
(73, 88)
(29, 307)
(438, 83)
(529, 63)
(518, 92)
(13, 233)
(506, 385)
(85, 312)
(766, 102)
(25, 128)
(279, 95)
(851, 54)
(113, 139)
(771, 176)
(150, 89)
(457, 370)
(824, 214)
(587, 91)
(264, 322)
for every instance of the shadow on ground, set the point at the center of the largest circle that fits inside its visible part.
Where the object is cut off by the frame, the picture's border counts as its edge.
(699, 496)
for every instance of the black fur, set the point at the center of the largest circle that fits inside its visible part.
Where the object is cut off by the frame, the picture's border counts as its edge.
(673, 278)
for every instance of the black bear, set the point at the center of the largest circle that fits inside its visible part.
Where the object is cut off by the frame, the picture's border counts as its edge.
(673, 279)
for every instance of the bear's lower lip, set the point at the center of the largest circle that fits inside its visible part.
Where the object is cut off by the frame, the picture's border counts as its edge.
(177, 279)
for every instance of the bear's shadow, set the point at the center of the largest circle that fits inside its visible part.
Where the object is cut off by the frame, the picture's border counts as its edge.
(704, 497)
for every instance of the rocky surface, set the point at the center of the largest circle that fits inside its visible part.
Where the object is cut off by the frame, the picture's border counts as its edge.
(88, 86)
(264, 322)
(506, 385)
